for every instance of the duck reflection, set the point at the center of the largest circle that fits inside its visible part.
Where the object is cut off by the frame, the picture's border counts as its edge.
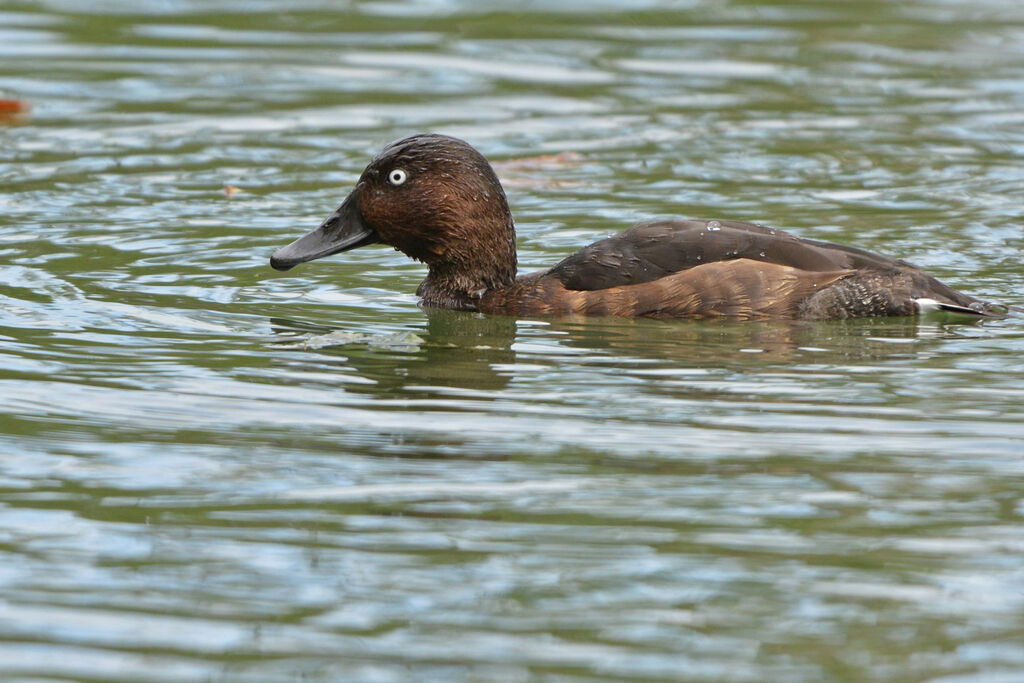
(470, 352)
(455, 349)
(722, 343)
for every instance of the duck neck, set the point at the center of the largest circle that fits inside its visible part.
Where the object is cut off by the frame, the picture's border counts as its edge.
(458, 281)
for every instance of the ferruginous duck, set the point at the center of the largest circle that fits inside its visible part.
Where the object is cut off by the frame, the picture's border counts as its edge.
(436, 199)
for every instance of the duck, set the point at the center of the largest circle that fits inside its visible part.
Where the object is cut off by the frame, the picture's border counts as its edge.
(438, 200)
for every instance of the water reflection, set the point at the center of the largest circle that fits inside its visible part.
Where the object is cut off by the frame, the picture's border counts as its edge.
(455, 349)
(462, 350)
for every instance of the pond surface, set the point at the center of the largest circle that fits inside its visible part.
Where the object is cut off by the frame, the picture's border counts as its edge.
(210, 471)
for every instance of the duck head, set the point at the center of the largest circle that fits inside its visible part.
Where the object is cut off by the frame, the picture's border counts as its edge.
(437, 200)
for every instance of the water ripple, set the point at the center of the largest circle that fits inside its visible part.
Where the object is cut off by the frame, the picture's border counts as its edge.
(210, 470)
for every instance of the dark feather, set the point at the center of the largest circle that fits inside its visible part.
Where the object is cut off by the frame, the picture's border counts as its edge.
(649, 251)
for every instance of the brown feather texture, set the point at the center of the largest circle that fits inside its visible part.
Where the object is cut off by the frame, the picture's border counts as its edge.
(741, 289)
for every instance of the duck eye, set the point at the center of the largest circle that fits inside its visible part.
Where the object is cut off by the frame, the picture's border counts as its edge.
(397, 176)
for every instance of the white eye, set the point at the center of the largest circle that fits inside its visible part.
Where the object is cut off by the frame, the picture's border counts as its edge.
(397, 176)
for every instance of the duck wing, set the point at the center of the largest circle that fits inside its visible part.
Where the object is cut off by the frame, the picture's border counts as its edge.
(653, 250)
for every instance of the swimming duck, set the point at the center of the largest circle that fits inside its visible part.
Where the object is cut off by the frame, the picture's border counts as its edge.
(436, 199)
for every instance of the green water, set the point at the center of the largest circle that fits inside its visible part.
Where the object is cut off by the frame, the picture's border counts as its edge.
(210, 471)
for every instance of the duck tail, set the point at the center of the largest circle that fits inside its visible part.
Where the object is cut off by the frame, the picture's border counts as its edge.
(984, 310)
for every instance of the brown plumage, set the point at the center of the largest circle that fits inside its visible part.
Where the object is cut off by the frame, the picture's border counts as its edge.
(436, 199)
(742, 289)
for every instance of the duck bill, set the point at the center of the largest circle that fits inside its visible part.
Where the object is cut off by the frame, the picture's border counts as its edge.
(343, 230)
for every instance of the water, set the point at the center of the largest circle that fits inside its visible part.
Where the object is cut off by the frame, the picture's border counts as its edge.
(213, 471)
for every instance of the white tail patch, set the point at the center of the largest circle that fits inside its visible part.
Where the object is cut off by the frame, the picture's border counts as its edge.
(927, 306)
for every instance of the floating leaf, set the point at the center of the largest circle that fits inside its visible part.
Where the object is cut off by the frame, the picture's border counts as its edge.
(13, 110)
